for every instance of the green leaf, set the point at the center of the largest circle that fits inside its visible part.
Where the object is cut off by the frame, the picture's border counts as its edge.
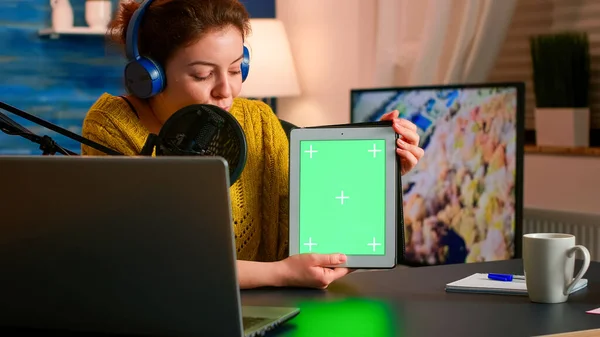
(561, 69)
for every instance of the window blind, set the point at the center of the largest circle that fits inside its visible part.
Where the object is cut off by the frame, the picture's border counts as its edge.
(534, 17)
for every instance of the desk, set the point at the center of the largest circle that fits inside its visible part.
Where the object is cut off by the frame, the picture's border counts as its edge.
(413, 302)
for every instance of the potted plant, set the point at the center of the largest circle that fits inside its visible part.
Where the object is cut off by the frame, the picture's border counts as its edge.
(561, 78)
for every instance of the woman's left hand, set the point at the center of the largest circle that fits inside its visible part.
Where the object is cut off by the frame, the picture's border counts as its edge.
(408, 143)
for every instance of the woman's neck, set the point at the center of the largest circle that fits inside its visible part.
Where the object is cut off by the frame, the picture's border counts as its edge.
(145, 114)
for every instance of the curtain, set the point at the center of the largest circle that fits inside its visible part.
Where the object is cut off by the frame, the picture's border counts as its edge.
(439, 41)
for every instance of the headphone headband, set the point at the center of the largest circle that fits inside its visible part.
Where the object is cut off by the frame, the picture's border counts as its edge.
(131, 39)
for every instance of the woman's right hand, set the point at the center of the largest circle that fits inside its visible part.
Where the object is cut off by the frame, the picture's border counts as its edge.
(309, 270)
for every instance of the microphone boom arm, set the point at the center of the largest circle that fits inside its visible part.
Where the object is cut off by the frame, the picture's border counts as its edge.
(47, 144)
(47, 141)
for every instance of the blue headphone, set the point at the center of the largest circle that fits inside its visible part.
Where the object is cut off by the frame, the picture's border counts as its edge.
(145, 78)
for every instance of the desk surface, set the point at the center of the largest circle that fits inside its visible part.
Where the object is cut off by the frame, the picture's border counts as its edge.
(413, 302)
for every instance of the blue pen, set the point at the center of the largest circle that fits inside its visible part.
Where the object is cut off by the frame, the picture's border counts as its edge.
(505, 277)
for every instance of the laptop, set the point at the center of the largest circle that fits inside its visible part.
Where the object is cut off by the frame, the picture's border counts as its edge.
(122, 245)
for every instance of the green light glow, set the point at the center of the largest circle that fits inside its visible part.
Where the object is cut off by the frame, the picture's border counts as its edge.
(348, 317)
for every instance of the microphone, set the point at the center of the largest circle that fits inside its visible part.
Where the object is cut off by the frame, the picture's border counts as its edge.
(202, 130)
(195, 130)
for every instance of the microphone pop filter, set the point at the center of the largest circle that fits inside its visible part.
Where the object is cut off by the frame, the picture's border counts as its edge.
(204, 130)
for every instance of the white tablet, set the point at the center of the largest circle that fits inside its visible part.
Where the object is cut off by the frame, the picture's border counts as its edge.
(345, 194)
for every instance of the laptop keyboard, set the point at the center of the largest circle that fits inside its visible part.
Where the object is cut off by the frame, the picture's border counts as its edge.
(251, 321)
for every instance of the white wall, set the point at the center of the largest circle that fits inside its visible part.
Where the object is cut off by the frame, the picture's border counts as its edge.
(562, 183)
(332, 44)
(339, 45)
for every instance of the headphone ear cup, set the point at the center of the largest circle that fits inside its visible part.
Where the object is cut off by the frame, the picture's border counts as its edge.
(245, 66)
(144, 78)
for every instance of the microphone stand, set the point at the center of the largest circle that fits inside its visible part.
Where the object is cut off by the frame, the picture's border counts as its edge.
(47, 144)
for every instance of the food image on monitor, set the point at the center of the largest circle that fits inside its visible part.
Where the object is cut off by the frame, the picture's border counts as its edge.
(459, 201)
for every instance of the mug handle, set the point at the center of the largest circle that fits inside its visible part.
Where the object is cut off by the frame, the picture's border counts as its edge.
(584, 268)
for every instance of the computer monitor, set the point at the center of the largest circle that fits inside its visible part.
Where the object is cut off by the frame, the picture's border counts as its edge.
(463, 202)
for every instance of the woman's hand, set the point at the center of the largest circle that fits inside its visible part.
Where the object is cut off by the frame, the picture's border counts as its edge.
(308, 270)
(408, 144)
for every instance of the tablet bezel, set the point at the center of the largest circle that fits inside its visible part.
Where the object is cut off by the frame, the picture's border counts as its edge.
(384, 132)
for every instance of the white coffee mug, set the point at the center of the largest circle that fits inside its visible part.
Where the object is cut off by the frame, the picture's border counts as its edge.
(548, 263)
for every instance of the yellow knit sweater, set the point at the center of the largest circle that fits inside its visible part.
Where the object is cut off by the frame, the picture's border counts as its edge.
(259, 198)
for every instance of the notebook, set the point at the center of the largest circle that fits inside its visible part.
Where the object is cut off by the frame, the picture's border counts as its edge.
(479, 283)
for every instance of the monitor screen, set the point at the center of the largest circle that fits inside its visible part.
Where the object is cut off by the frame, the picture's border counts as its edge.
(463, 201)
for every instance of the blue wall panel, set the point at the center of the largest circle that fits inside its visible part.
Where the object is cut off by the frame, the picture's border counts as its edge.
(59, 79)
(260, 8)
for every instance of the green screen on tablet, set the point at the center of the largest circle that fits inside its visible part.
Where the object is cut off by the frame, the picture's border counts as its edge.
(342, 195)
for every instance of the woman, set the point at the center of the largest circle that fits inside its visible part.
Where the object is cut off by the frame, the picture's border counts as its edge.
(199, 44)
